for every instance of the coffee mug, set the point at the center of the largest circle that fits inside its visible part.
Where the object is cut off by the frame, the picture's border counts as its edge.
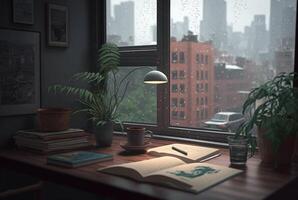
(138, 136)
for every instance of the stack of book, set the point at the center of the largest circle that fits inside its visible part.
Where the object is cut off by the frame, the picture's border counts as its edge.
(49, 142)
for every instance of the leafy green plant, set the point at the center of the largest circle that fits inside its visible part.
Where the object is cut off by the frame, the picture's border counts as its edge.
(99, 101)
(273, 106)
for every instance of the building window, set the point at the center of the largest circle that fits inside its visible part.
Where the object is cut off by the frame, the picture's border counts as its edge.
(197, 101)
(182, 115)
(206, 100)
(174, 114)
(181, 102)
(174, 57)
(198, 75)
(198, 58)
(181, 74)
(206, 87)
(202, 101)
(174, 102)
(174, 75)
(198, 87)
(202, 59)
(206, 59)
(174, 88)
(181, 57)
(182, 88)
(202, 75)
(206, 75)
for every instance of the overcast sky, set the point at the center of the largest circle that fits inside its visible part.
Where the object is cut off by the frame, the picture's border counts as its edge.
(239, 13)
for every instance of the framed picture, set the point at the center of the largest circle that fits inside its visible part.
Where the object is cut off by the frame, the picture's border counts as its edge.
(23, 11)
(58, 25)
(19, 72)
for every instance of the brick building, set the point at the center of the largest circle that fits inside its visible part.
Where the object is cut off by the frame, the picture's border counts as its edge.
(231, 86)
(192, 81)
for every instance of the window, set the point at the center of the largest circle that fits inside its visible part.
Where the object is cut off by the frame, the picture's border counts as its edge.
(174, 88)
(174, 114)
(174, 57)
(198, 58)
(206, 87)
(202, 59)
(140, 102)
(126, 17)
(174, 75)
(181, 115)
(206, 59)
(181, 102)
(206, 75)
(182, 88)
(174, 102)
(222, 55)
(181, 57)
(198, 87)
(202, 75)
(181, 74)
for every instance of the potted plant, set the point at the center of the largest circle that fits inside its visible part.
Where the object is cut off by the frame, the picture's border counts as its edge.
(273, 108)
(101, 100)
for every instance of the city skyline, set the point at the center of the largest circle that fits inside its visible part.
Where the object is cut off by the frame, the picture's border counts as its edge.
(240, 13)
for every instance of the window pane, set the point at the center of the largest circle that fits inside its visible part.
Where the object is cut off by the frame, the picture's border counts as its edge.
(140, 102)
(131, 22)
(225, 48)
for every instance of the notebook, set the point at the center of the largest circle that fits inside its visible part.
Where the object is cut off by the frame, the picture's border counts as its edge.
(77, 159)
(188, 153)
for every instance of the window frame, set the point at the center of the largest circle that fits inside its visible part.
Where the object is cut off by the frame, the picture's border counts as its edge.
(159, 55)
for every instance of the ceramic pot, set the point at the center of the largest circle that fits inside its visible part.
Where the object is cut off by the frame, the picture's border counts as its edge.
(53, 119)
(282, 158)
(104, 134)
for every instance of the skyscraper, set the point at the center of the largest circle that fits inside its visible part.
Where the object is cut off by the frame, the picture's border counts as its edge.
(214, 24)
(121, 26)
(282, 23)
(179, 29)
(259, 36)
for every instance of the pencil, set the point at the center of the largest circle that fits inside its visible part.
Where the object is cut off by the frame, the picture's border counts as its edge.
(179, 150)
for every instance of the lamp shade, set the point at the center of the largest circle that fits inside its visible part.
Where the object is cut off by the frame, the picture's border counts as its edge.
(155, 77)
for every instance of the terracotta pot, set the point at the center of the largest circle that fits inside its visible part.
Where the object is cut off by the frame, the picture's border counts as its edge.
(53, 119)
(104, 134)
(280, 160)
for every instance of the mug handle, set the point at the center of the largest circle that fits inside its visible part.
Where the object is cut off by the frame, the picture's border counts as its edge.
(148, 136)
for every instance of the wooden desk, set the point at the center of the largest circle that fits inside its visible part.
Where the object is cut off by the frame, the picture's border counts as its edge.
(256, 182)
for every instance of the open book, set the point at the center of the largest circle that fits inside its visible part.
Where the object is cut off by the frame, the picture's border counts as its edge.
(193, 153)
(173, 172)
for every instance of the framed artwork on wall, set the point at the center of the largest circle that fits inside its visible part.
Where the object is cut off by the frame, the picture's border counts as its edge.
(58, 34)
(23, 11)
(19, 72)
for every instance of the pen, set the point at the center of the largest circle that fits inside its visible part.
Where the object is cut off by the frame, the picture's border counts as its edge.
(179, 150)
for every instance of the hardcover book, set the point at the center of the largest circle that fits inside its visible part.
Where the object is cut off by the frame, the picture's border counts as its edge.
(189, 153)
(76, 159)
(173, 172)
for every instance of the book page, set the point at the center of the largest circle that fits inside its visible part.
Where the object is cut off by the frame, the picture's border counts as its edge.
(193, 177)
(194, 153)
(144, 167)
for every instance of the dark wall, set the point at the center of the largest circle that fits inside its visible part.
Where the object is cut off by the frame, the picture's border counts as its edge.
(57, 64)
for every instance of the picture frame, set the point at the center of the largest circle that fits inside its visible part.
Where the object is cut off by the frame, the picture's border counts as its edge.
(23, 11)
(58, 25)
(19, 72)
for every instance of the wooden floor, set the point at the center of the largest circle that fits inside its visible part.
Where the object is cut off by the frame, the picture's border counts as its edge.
(257, 181)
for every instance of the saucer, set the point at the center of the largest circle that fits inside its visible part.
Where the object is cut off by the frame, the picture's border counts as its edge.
(135, 148)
